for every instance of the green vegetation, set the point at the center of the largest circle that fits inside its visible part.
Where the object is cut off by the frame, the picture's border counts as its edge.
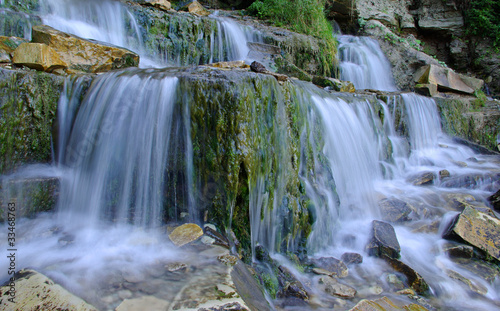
(483, 20)
(302, 16)
(480, 100)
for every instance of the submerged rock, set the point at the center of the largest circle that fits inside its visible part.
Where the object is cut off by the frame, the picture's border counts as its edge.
(423, 179)
(334, 266)
(415, 280)
(394, 210)
(290, 285)
(34, 290)
(351, 258)
(456, 250)
(384, 242)
(335, 288)
(185, 234)
(477, 228)
(474, 286)
(83, 55)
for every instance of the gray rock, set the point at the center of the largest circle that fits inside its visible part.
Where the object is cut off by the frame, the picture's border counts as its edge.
(335, 288)
(457, 250)
(394, 210)
(422, 179)
(495, 201)
(264, 48)
(384, 242)
(335, 266)
(351, 258)
(248, 288)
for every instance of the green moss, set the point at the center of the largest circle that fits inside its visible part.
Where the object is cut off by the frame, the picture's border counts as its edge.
(27, 112)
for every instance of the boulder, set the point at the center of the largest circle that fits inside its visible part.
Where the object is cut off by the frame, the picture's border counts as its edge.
(290, 286)
(384, 242)
(447, 79)
(335, 288)
(7, 46)
(138, 304)
(457, 250)
(495, 200)
(335, 266)
(38, 56)
(248, 288)
(351, 258)
(33, 290)
(444, 174)
(83, 55)
(414, 279)
(163, 5)
(478, 229)
(394, 210)
(185, 234)
(230, 65)
(197, 9)
(258, 67)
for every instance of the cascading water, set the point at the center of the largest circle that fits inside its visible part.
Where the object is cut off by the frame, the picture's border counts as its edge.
(364, 64)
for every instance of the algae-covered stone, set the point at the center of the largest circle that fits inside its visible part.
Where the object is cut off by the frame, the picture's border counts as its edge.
(83, 55)
(415, 280)
(7, 46)
(477, 228)
(384, 242)
(185, 234)
(34, 289)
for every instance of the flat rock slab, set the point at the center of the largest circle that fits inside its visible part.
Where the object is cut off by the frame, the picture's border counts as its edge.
(478, 229)
(35, 291)
(335, 288)
(385, 304)
(185, 234)
(383, 243)
(335, 266)
(139, 304)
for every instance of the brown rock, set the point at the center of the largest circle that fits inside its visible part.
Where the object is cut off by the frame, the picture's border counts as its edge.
(334, 288)
(83, 55)
(426, 89)
(37, 56)
(159, 4)
(447, 79)
(474, 286)
(7, 46)
(185, 234)
(477, 228)
(197, 9)
(258, 67)
(335, 266)
(351, 258)
(423, 179)
(232, 64)
(415, 280)
(385, 304)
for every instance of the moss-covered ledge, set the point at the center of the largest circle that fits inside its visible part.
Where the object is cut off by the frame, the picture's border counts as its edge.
(28, 108)
(467, 118)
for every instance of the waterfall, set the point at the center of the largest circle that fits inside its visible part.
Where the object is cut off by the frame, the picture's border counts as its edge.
(364, 64)
(122, 139)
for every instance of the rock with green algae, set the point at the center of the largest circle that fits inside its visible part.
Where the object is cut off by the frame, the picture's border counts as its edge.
(28, 103)
(35, 291)
(185, 234)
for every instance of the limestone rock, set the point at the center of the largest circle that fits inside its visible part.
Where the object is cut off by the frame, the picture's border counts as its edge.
(264, 48)
(197, 9)
(335, 266)
(37, 56)
(384, 242)
(232, 64)
(385, 303)
(34, 289)
(426, 89)
(159, 4)
(351, 258)
(185, 234)
(335, 288)
(394, 210)
(477, 228)
(447, 79)
(415, 280)
(138, 304)
(83, 55)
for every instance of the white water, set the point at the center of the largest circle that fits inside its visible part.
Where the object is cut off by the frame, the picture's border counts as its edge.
(364, 64)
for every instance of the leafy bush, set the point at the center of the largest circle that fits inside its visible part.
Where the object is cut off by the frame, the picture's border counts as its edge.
(303, 16)
(483, 19)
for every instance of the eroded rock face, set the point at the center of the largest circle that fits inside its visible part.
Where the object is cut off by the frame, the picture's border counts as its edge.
(34, 291)
(477, 228)
(384, 242)
(92, 56)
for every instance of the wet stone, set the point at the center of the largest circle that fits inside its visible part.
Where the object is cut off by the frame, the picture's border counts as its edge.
(335, 288)
(384, 242)
(423, 179)
(176, 267)
(495, 201)
(152, 303)
(395, 282)
(444, 174)
(415, 280)
(335, 266)
(351, 258)
(474, 286)
(394, 210)
(185, 234)
(456, 250)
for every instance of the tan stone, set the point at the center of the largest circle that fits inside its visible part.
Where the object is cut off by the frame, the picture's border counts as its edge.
(479, 229)
(185, 234)
(160, 4)
(83, 55)
(197, 9)
(34, 289)
(7, 46)
(37, 56)
(232, 64)
(385, 304)
(447, 79)
(426, 89)
(151, 303)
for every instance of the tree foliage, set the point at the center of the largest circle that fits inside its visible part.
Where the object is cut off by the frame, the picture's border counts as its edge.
(483, 19)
